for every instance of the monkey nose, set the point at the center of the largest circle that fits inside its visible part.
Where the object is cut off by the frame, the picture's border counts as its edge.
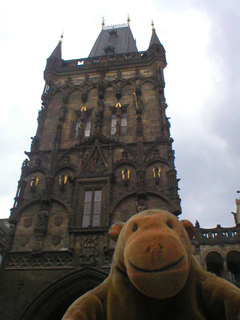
(154, 248)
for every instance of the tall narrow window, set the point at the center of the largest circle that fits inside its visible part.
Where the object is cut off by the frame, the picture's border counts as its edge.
(97, 208)
(124, 122)
(87, 126)
(92, 208)
(113, 123)
(78, 124)
(19, 191)
(87, 209)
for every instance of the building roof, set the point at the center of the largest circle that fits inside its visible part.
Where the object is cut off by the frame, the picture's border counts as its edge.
(114, 41)
(154, 38)
(57, 52)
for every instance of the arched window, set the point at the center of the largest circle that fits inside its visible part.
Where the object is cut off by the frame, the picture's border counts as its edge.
(215, 264)
(233, 264)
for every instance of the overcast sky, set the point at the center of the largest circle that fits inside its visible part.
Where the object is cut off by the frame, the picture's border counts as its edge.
(202, 43)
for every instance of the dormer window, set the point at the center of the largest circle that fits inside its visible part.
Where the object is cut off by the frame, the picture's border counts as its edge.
(113, 33)
(109, 49)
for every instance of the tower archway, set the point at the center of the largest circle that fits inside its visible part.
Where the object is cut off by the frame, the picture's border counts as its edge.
(53, 301)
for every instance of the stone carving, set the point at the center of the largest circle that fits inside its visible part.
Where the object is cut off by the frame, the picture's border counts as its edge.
(56, 239)
(67, 160)
(35, 143)
(41, 114)
(34, 183)
(113, 177)
(124, 155)
(42, 221)
(38, 162)
(89, 250)
(45, 261)
(125, 176)
(62, 181)
(9, 238)
(40, 229)
(27, 222)
(138, 103)
(96, 164)
(25, 164)
(139, 127)
(99, 116)
(58, 220)
(157, 174)
(141, 205)
(23, 239)
(49, 183)
(37, 250)
(72, 243)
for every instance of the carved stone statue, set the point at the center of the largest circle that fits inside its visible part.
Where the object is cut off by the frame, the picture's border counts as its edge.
(237, 213)
(25, 163)
(99, 112)
(141, 205)
(42, 221)
(10, 235)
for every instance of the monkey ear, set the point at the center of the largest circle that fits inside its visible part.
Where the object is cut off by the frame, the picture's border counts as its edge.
(189, 228)
(115, 229)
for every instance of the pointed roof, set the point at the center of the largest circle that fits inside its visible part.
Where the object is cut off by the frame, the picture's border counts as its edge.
(154, 38)
(114, 40)
(57, 52)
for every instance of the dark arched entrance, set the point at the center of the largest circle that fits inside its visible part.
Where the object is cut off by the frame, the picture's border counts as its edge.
(233, 264)
(52, 302)
(214, 263)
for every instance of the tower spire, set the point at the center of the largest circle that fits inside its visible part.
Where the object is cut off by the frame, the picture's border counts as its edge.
(154, 38)
(152, 24)
(128, 20)
(57, 52)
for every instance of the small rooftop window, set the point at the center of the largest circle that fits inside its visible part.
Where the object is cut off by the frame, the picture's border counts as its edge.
(128, 56)
(109, 49)
(113, 32)
(112, 58)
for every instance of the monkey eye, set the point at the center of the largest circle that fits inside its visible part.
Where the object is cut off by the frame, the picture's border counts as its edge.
(134, 228)
(169, 225)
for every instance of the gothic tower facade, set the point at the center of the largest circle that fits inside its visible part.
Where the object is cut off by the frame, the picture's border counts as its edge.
(102, 152)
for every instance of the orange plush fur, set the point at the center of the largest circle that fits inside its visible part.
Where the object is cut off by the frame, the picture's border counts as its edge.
(154, 276)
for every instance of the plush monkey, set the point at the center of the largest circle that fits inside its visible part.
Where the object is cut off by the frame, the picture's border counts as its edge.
(154, 276)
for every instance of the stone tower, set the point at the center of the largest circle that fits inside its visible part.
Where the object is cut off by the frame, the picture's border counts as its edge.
(101, 153)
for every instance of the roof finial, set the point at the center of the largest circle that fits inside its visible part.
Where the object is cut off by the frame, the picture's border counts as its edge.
(61, 37)
(103, 22)
(128, 20)
(152, 24)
